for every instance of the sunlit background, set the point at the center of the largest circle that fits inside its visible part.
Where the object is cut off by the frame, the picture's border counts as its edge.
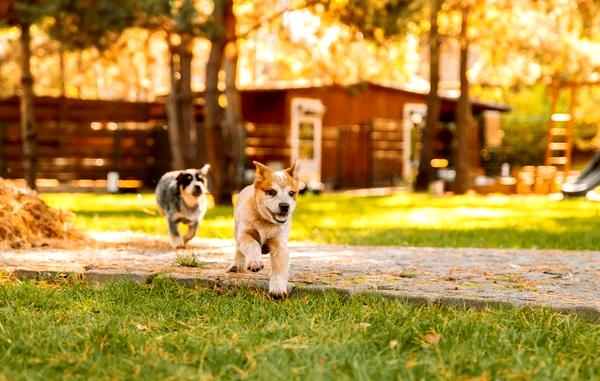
(307, 47)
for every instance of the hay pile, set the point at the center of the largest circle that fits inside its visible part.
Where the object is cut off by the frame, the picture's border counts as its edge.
(26, 220)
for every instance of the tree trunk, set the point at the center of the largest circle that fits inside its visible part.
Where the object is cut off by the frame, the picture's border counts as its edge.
(62, 87)
(194, 142)
(235, 133)
(212, 119)
(185, 136)
(80, 69)
(174, 129)
(463, 116)
(425, 174)
(218, 153)
(28, 132)
(61, 69)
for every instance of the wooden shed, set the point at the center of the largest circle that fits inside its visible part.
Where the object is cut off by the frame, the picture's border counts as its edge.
(353, 136)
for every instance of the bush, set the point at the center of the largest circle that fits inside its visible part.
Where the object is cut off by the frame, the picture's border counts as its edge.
(524, 141)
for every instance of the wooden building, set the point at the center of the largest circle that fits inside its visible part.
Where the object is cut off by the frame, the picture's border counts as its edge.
(356, 136)
(347, 137)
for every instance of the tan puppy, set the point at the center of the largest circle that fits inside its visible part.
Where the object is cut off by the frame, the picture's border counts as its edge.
(263, 217)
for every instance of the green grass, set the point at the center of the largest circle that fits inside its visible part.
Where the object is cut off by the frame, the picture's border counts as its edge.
(65, 328)
(402, 219)
(187, 260)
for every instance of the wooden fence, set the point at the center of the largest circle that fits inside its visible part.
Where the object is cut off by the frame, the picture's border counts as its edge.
(80, 141)
(78, 155)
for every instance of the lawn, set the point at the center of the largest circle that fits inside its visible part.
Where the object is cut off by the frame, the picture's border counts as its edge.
(65, 328)
(401, 219)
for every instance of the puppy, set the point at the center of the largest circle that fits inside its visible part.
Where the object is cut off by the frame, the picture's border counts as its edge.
(263, 217)
(181, 197)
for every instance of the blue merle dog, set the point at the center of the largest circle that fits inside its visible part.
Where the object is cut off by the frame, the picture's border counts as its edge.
(181, 197)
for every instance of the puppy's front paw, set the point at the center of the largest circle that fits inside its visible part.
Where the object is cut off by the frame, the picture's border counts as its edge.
(235, 268)
(255, 265)
(278, 288)
(177, 243)
(278, 295)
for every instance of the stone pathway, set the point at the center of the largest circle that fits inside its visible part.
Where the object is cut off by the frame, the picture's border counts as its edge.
(564, 280)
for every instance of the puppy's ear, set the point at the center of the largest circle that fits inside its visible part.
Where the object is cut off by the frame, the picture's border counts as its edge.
(293, 169)
(261, 171)
(204, 169)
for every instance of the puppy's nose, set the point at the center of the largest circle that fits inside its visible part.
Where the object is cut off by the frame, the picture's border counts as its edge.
(197, 189)
(284, 207)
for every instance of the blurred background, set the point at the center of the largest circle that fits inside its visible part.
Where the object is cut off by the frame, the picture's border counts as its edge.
(430, 95)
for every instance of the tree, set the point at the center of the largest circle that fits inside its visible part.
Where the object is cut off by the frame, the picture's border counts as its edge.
(181, 23)
(554, 38)
(187, 141)
(212, 117)
(99, 24)
(380, 20)
(23, 13)
(464, 157)
(28, 130)
(221, 140)
(81, 25)
(234, 131)
(223, 132)
(550, 39)
(425, 174)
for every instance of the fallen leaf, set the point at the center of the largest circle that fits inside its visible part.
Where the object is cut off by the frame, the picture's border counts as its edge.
(432, 338)
(361, 325)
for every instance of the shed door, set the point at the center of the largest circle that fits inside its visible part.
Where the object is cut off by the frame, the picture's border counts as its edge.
(307, 124)
(354, 149)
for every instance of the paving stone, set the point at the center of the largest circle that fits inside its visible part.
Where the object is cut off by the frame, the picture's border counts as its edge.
(564, 280)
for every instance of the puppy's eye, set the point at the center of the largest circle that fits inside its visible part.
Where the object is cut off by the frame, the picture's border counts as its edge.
(292, 194)
(201, 179)
(188, 177)
(271, 192)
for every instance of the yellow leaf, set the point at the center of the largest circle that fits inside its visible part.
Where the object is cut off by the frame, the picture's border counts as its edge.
(142, 327)
(432, 338)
